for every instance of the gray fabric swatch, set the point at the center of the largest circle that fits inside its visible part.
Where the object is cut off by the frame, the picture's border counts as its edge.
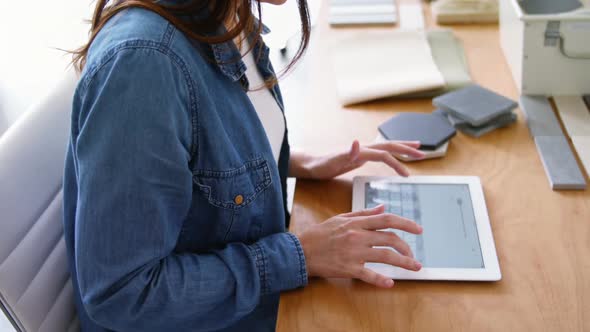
(475, 104)
(449, 56)
(540, 117)
(458, 122)
(560, 164)
(455, 121)
(442, 114)
(431, 130)
(478, 131)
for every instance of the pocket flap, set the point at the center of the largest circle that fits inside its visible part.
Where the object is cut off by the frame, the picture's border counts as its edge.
(234, 188)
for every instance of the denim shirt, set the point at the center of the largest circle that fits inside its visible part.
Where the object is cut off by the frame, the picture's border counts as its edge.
(173, 203)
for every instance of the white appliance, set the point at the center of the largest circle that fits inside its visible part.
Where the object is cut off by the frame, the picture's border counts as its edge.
(547, 45)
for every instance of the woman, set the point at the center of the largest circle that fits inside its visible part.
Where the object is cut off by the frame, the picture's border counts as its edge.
(174, 188)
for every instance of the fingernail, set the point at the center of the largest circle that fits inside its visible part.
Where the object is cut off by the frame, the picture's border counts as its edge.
(418, 265)
(389, 283)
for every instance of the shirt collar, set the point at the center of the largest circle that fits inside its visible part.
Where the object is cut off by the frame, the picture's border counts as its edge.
(228, 57)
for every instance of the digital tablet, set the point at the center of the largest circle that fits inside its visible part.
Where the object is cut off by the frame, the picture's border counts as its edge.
(457, 241)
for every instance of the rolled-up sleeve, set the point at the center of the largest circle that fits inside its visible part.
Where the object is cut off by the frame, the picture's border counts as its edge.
(132, 149)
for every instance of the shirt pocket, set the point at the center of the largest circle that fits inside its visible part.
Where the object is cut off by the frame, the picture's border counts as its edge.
(235, 188)
(236, 200)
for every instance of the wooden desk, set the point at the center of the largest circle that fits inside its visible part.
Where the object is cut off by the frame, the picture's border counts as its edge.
(542, 236)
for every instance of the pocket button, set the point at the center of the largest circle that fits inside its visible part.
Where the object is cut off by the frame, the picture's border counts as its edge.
(239, 199)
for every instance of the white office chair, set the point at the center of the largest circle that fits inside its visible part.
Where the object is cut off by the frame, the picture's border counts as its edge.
(35, 287)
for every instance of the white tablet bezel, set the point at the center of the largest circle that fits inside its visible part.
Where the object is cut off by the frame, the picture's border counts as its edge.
(491, 269)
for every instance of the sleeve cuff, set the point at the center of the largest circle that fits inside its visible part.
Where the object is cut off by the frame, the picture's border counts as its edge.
(280, 262)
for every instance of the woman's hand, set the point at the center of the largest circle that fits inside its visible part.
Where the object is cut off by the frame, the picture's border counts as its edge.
(327, 167)
(340, 246)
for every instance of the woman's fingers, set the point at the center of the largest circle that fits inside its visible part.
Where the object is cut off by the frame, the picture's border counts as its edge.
(387, 220)
(388, 256)
(351, 240)
(389, 239)
(367, 154)
(355, 150)
(379, 209)
(374, 278)
(397, 148)
(414, 144)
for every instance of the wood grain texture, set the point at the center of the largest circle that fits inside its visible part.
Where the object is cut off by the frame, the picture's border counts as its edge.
(542, 237)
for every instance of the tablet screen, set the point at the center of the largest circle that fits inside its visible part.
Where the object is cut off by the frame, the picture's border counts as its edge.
(445, 211)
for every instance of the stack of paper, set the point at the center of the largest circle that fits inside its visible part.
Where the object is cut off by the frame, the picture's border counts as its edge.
(371, 65)
(344, 12)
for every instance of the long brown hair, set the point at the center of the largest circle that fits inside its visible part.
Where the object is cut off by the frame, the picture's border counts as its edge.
(185, 17)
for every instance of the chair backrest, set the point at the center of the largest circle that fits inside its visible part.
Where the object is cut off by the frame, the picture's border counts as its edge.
(35, 286)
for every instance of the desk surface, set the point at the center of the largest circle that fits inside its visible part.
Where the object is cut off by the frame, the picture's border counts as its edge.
(542, 236)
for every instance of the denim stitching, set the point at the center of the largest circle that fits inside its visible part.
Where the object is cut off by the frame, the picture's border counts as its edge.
(251, 164)
(265, 281)
(302, 269)
(234, 68)
(257, 164)
(110, 53)
(260, 263)
(176, 60)
(166, 39)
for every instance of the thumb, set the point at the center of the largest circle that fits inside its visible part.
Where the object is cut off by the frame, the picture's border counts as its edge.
(379, 209)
